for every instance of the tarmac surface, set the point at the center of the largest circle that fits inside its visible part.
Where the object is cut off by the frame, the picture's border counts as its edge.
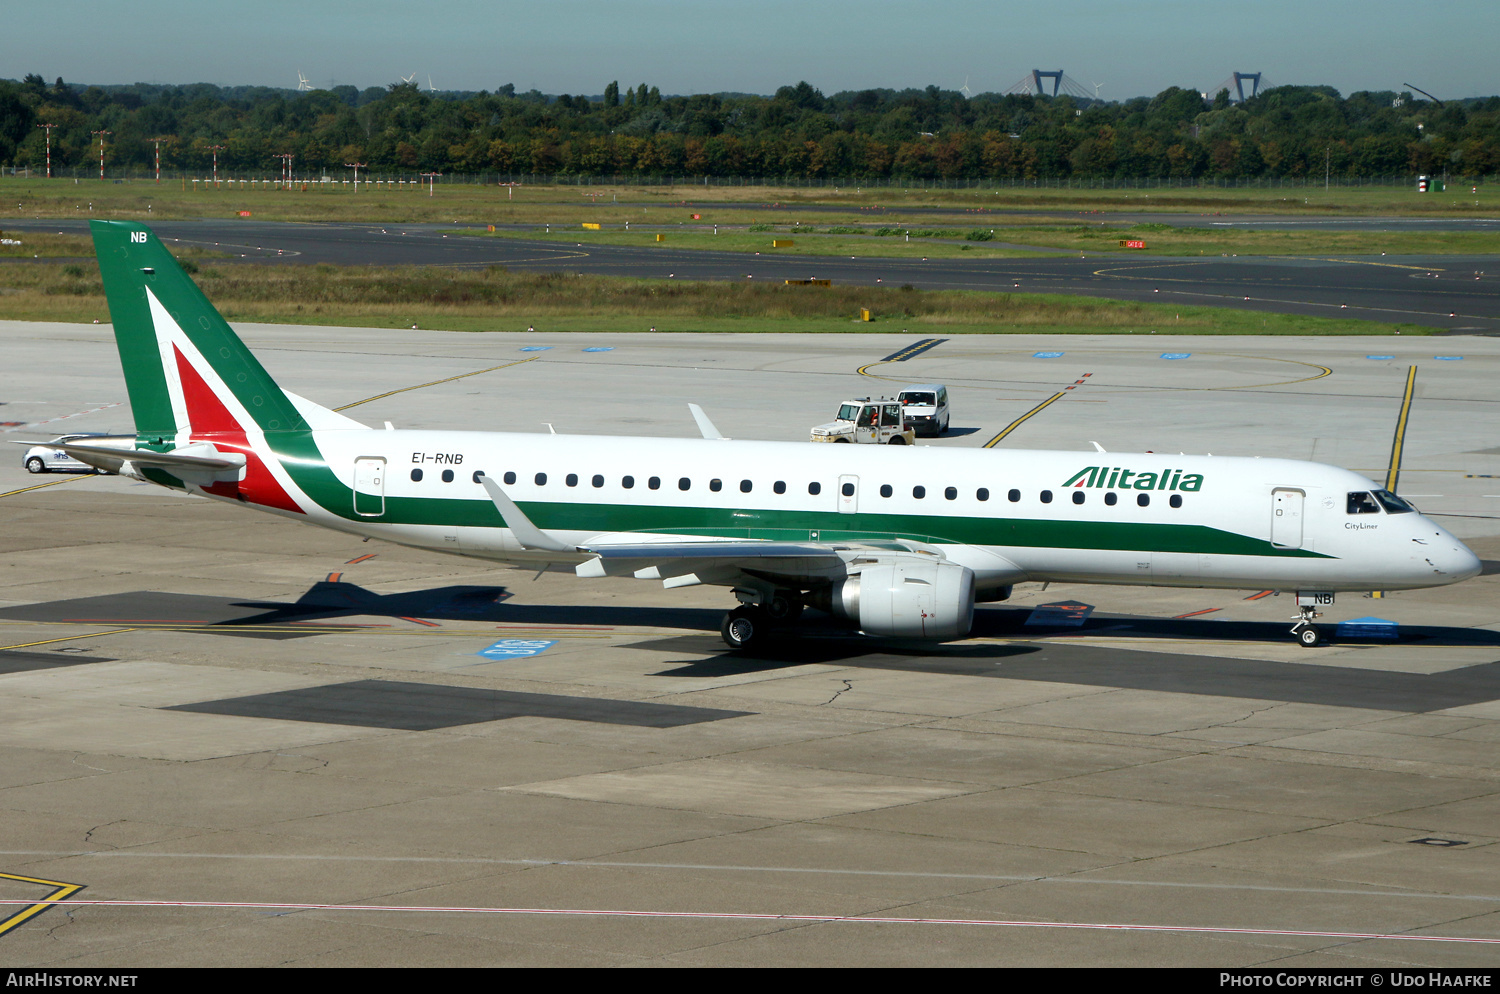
(252, 742)
(1456, 293)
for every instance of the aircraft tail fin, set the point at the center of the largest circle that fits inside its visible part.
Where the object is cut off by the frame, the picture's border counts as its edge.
(186, 370)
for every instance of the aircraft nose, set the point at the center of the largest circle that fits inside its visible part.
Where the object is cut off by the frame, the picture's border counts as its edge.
(1465, 565)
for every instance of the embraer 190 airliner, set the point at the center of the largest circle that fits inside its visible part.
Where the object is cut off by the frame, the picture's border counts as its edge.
(898, 541)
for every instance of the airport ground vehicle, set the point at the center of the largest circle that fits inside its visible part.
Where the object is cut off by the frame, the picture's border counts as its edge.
(925, 406)
(896, 544)
(864, 420)
(48, 458)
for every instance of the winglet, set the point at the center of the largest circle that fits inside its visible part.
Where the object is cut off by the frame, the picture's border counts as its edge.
(528, 534)
(704, 425)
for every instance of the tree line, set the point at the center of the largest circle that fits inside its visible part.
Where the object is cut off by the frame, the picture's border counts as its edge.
(1286, 131)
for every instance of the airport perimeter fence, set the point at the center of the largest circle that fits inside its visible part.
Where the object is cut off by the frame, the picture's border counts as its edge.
(342, 179)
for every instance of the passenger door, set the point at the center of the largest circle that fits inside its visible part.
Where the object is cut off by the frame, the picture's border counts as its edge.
(1286, 518)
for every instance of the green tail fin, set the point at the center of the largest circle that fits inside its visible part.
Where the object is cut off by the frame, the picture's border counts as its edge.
(159, 314)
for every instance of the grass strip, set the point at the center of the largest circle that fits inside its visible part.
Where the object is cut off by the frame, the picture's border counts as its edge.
(495, 299)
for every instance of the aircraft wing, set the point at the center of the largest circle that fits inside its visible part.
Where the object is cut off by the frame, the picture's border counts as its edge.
(679, 564)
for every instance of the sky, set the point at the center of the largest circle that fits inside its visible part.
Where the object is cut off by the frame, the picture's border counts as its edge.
(1128, 47)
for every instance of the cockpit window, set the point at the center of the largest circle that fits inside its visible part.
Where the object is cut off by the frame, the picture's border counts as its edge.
(1392, 503)
(1361, 502)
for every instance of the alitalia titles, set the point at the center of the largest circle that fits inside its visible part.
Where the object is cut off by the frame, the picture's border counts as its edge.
(1118, 478)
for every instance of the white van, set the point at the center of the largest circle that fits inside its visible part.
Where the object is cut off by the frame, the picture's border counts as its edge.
(925, 406)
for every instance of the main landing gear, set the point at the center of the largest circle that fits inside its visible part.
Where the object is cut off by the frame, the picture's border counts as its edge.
(748, 625)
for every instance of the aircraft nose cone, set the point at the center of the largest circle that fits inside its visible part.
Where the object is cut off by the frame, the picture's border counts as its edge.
(1464, 564)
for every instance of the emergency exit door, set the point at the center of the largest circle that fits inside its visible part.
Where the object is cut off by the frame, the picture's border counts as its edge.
(1286, 518)
(848, 495)
(369, 486)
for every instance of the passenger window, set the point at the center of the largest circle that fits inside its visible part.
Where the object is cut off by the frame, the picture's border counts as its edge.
(714, 485)
(951, 493)
(919, 492)
(509, 479)
(684, 484)
(1013, 496)
(627, 482)
(746, 486)
(1046, 496)
(572, 480)
(654, 483)
(541, 479)
(1079, 497)
(1113, 498)
(848, 489)
(416, 476)
(1362, 503)
(1176, 500)
(597, 481)
(815, 488)
(982, 494)
(447, 476)
(885, 490)
(779, 486)
(1144, 500)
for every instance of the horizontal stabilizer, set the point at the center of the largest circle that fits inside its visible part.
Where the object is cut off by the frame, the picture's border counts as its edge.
(145, 457)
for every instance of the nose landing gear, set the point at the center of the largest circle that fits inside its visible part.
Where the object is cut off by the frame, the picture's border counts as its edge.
(1305, 631)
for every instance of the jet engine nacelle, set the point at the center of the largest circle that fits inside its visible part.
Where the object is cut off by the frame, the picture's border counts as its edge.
(931, 600)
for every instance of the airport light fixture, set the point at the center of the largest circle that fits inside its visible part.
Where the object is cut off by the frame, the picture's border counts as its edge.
(49, 128)
(510, 194)
(286, 166)
(101, 135)
(157, 142)
(356, 166)
(430, 178)
(216, 149)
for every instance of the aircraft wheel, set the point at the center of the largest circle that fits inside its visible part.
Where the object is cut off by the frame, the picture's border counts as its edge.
(745, 627)
(1309, 636)
(784, 610)
(35, 465)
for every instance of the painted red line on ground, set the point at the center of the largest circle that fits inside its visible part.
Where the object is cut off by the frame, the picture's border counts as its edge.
(1256, 597)
(747, 916)
(419, 621)
(1194, 614)
(333, 578)
(368, 555)
(321, 624)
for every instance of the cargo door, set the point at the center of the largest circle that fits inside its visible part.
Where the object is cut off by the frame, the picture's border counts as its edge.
(369, 486)
(1286, 518)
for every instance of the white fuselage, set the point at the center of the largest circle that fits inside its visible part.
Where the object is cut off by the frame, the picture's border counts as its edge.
(1236, 523)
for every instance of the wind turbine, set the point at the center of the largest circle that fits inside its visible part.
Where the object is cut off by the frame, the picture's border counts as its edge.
(1096, 91)
(409, 79)
(430, 87)
(965, 88)
(303, 83)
